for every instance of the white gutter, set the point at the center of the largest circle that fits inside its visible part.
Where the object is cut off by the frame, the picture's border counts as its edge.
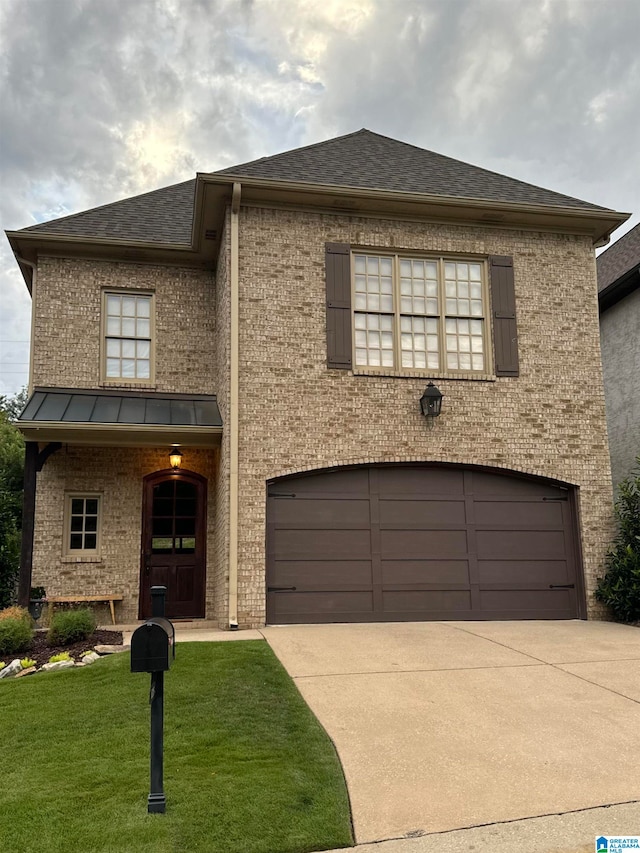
(233, 411)
(34, 270)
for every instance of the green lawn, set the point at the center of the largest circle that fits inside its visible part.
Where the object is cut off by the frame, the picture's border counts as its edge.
(247, 767)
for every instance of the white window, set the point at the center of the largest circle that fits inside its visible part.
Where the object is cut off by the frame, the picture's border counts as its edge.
(419, 313)
(82, 524)
(128, 339)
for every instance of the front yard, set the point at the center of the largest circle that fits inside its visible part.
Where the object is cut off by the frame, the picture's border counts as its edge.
(247, 767)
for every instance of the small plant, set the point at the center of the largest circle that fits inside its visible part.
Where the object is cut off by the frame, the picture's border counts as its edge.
(15, 635)
(620, 587)
(59, 657)
(27, 663)
(16, 613)
(2, 664)
(71, 626)
(88, 652)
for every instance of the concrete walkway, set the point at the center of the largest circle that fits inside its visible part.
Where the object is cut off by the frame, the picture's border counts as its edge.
(442, 726)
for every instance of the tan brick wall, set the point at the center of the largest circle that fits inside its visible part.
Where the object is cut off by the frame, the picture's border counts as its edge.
(67, 323)
(296, 415)
(115, 473)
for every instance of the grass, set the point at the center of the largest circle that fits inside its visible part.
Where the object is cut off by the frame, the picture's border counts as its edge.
(247, 768)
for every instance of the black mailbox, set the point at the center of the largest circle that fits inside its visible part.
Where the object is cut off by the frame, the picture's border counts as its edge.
(151, 644)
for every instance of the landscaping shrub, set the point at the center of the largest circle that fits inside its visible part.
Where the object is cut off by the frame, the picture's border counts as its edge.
(620, 587)
(71, 626)
(16, 613)
(15, 635)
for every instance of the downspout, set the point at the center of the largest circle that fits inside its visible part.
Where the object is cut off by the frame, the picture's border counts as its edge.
(233, 410)
(34, 270)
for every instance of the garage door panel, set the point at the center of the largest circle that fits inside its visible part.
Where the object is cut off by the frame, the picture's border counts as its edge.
(519, 514)
(413, 544)
(523, 571)
(324, 574)
(314, 513)
(521, 544)
(550, 601)
(299, 603)
(425, 571)
(485, 483)
(421, 513)
(427, 481)
(330, 544)
(351, 481)
(411, 601)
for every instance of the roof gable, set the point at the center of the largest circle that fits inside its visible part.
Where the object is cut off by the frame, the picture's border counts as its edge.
(368, 160)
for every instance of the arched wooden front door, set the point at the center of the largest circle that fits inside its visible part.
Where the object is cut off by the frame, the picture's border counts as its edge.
(174, 512)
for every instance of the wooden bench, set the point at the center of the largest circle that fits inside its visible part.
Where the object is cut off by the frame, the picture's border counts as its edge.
(72, 599)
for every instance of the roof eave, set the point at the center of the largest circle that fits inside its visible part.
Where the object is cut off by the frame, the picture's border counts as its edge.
(598, 223)
(122, 435)
(619, 289)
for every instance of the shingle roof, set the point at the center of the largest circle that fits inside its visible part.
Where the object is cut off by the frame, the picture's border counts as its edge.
(363, 159)
(619, 258)
(369, 160)
(70, 405)
(161, 216)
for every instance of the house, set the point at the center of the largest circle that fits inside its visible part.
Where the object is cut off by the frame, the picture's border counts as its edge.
(276, 324)
(619, 303)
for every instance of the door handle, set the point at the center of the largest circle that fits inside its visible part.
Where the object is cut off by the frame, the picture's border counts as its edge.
(562, 586)
(281, 589)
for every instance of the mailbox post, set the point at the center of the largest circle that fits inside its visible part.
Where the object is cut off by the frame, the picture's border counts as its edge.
(150, 653)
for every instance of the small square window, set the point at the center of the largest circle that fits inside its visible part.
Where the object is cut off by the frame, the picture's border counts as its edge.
(82, 525)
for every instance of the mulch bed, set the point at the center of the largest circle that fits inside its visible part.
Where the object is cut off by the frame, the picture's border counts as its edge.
(40, 651)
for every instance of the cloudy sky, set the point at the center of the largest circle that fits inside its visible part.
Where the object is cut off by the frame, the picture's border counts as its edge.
(103, 99)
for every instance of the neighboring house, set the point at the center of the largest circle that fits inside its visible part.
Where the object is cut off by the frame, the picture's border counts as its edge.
(619, 302)
(278, 321)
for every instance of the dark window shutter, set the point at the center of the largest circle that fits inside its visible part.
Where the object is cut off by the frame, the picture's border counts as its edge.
(338, 272)
(503, 302)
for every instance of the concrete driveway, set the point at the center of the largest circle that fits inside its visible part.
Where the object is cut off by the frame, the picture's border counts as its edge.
(441, 726)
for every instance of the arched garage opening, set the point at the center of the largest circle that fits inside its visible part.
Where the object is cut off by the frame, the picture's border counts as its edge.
(414, 542)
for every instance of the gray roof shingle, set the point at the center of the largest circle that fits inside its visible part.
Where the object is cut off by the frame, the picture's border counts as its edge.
(619, 258)
(362, 159)
(161, 216)
(369, 160)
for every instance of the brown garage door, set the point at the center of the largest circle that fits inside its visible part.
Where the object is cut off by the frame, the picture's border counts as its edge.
(398, 543)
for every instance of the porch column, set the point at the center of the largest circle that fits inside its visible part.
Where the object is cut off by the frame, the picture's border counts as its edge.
(28, 519)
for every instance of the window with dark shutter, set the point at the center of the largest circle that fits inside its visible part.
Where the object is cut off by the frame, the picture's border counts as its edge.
(338, 273)
(503, 302)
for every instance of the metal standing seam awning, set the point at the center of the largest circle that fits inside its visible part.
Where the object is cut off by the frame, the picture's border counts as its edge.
(123, 418)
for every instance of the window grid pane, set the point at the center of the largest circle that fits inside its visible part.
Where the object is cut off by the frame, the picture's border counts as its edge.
(463, 289)
(464, 344)
(419, 342)
(83, 524)
(374, 283)
(128, 341)
(374, 340)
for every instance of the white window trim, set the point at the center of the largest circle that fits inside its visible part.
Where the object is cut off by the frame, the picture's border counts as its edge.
(441, 372)
(122, 381)
(67, 551)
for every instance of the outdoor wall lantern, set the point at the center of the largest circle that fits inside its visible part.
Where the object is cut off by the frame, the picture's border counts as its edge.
(175, 458)
(431, 403)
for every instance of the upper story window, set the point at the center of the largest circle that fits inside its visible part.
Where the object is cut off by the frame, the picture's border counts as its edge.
(128, 341)
(413, 313)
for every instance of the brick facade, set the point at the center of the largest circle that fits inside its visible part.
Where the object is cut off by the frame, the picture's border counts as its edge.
(295, 415)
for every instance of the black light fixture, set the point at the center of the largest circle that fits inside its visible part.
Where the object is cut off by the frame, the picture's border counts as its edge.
(431, 403)
(175, 458)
